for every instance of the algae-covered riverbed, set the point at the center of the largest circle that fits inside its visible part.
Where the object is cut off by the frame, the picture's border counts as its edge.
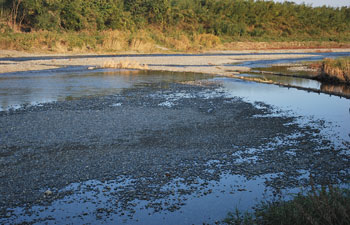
(161, 148)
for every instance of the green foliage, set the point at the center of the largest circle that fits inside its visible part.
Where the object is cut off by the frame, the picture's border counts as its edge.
(225, 18)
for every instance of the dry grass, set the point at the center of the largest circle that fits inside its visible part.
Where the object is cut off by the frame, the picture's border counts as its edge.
(124, 64)
(182, 43)
(78, 42)
(338, 69)
(149, 40)
(141, 41)
(327, 205)
(114, 41)
(206, 41)
(255, 45)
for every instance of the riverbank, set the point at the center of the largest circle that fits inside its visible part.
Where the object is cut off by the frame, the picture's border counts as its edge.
(336, 70)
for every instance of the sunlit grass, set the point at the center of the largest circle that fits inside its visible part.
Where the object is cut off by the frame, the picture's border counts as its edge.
(338, 69)
(147, 40)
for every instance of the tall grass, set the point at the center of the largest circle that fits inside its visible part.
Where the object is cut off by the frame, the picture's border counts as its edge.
(148, 40)
(337, 69)
(324, 206)
(106, 41)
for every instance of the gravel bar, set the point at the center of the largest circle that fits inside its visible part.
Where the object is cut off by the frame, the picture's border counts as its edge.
(154, 134)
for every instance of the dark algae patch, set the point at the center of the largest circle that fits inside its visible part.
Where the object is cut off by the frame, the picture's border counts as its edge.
(155, 148)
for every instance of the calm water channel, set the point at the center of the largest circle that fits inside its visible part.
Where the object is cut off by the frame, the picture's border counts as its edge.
(35, 88)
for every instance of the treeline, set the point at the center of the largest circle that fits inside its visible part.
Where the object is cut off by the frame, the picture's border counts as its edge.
(231, 18)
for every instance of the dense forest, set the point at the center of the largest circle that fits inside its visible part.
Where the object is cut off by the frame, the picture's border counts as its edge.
(219, 17)
(227, 19)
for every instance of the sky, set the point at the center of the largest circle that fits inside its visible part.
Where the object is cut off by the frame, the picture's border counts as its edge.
(333, 3)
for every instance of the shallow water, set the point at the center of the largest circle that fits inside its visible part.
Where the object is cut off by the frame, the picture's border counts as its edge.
(35, 88)
(216, 198)
(340, 89)
(287, 80)
(92, 199)
(334, 110)
(88, 204)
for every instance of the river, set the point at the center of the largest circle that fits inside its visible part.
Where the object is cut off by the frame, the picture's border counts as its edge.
(307, 133)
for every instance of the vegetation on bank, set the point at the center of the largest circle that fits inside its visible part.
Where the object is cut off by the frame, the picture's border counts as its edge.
(141, 41)
(336, 70)
(176, 24)
(327, 206)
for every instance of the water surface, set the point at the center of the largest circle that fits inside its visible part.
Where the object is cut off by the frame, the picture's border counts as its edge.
(334, 110)
(33, 88)
(231, 191)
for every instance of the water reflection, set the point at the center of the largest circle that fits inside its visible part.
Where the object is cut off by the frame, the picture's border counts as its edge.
(336, 88)
(41, 87)
(211, 207)
(313, 85)
(332, 109)
(275, 65)
(286, 80)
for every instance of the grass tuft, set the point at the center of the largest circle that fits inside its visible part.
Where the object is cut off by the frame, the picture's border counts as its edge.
(325, 206)
(337, 69)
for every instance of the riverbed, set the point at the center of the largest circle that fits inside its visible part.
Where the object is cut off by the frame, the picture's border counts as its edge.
(146, 147)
